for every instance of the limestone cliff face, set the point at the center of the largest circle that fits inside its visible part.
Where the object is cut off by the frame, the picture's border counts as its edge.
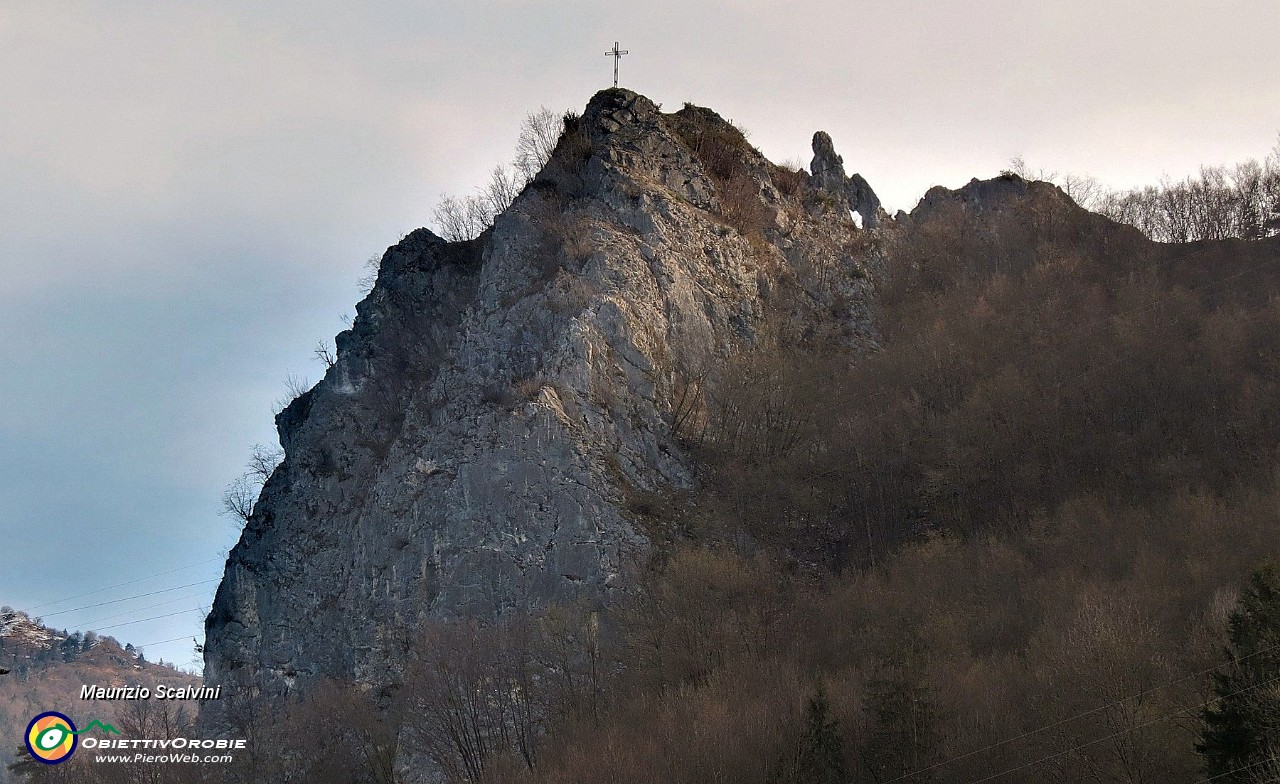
(497, 401)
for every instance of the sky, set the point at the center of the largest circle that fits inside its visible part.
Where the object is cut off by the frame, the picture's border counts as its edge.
(189, 192)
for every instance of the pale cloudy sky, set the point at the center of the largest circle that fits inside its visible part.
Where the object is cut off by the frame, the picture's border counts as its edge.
(188, 191)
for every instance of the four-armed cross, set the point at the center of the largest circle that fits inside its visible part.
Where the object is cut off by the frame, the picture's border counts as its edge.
(616, 54)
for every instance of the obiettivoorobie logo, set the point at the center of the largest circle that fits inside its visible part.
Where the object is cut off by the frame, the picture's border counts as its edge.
(52, 737)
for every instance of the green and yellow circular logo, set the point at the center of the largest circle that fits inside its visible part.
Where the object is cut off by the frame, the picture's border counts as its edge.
(51, 737)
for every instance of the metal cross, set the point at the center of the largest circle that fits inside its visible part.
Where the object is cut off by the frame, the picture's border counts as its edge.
(616, 54)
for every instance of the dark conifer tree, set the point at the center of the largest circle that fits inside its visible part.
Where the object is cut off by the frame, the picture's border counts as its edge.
(819, 759)
(1242, 726)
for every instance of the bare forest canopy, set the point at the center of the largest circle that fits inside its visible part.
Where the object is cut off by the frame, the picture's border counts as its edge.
(1217, 203)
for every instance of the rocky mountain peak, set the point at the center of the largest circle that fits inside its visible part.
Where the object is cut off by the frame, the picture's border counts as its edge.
(499, 404)
(618, 108)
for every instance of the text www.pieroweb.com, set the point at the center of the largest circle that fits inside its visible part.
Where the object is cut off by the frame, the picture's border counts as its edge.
(184, 751)
(165, 758)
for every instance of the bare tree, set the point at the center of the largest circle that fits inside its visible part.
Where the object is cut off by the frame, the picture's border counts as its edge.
(1243, 201)
(572, 664)
(504, 185)
(263, 461)
(335, 733)
(161, 720)
(1082, 189)
(372, 266)
(450, 217)
(1019, 166)
(239, 497)
(325, 353)
(458, 219)
(473, 697)
(296, 386)
(1217, 203)
(538, 136)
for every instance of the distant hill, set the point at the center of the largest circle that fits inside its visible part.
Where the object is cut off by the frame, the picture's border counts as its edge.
(47, 668)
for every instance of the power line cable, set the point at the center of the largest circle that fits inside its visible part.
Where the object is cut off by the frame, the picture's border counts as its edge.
(1237, 770)
(135, 596)
(119, 585)
(152, 618)
(162, 642)
(1125, 731)
(90, 624)
(1083, 714)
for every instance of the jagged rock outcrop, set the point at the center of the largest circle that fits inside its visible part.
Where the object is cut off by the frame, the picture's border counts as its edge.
(828, 172)
(1010, 210)
(981, 195)
(498, 401)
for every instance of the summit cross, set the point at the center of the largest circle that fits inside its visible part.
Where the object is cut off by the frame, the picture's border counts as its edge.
(616, 54)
